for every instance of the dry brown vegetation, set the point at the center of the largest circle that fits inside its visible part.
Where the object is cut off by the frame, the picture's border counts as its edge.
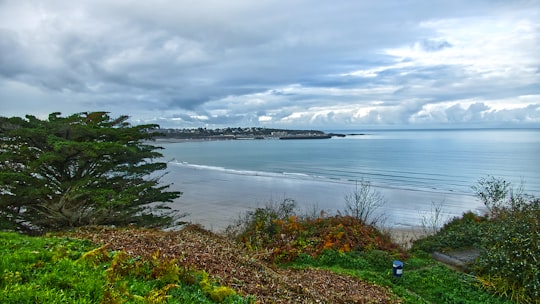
(233, 266)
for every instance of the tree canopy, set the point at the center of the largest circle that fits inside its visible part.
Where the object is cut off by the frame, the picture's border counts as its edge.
(82, 169)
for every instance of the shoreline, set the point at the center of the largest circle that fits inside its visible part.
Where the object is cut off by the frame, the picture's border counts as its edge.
(405, 237)
(215, 199)
(312, 178)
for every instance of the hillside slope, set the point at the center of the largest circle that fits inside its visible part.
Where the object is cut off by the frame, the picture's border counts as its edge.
(234, 267)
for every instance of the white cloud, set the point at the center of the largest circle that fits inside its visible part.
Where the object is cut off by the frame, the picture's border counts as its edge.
(265, 118)
(483, 46)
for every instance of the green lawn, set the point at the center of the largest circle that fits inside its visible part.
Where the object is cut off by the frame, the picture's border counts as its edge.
(423, 281)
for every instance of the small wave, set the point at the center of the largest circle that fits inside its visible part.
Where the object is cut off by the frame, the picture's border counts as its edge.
(202, 167)
(387, 182)
(216, 168)
(235, 171)
(296, 174)
(289, 175)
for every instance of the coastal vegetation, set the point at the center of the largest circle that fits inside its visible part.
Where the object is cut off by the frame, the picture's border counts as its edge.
(133, 265)
(506, 238)
(56, 269)
(87, 184)
(272, 255)
(78, 170)
(363, 203)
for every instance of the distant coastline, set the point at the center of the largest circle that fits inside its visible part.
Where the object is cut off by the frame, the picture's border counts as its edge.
(253, 133)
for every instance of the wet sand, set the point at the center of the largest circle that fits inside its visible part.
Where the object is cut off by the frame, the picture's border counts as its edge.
(215, 199)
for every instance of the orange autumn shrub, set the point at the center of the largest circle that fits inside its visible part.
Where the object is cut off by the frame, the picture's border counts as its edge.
(283, 239)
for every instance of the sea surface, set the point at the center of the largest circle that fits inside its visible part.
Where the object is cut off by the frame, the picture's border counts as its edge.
(413, 169)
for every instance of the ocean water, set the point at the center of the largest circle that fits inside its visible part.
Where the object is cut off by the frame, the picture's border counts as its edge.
(412, 168)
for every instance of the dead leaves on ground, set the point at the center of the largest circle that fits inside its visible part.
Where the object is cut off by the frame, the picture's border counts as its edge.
(233, 266)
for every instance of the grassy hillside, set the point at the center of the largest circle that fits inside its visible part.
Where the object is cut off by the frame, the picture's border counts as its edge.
(106, 265)
(66, 270)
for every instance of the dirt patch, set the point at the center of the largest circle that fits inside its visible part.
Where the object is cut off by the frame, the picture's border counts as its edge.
(241, 270)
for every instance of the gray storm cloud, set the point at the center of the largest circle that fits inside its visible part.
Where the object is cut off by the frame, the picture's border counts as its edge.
(275, 63)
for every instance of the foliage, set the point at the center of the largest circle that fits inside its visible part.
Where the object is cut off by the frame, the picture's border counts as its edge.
(196, 248)
(284, 235)
(507, 237)
(259, 227)
(83, 169)
(423, 280)
(460, 233)
(61, 270)
(72, 271)
(363, 202)
(492, 192)
(508, 264)
(43, 270)
(374, 260)
(163, 281)
(439, 284)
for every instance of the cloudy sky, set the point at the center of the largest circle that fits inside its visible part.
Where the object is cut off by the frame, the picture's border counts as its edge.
(295, 63)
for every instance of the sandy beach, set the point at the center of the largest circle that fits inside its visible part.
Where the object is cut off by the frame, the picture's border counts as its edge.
(215, 199)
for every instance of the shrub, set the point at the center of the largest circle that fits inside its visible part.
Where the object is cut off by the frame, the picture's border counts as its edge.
(492, 192)
(508, 264)
(433, 221)
(363, 203)
(284, 236)
(464, 232)
(507, 238)
(257, 228)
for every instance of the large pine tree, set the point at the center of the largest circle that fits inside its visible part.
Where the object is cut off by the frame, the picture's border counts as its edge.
(82, 169)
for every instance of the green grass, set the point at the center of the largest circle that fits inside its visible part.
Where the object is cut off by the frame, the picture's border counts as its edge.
(347, 245)
(423, 281)
(63, 270)
(44, 270)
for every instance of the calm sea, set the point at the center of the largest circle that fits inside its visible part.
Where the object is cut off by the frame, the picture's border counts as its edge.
(430, 160)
